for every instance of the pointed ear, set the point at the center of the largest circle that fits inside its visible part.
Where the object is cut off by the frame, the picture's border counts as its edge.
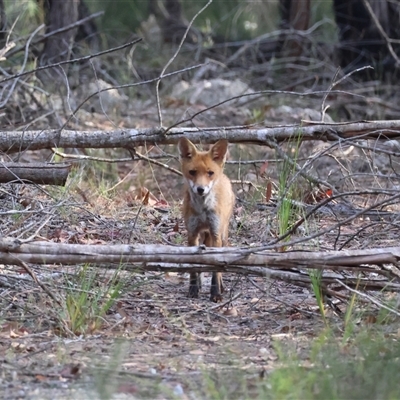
(186, 148)
(219, 150)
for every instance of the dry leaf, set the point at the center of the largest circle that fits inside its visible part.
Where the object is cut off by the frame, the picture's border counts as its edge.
(71, 371)
(263, 168)
(232, 312)
(127, 388)
(147, 198)
(197, 352)
(268, 191)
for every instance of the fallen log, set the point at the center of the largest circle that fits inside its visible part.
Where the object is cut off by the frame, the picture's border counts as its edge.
(290, 266)
(15, 141)
(39, 173)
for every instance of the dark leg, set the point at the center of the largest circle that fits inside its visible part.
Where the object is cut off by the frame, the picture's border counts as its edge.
(195, 278)
(216, 281)
(216, 287)
(195, 284)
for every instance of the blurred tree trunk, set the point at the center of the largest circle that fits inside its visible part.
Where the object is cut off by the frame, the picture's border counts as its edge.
(295, 16)
(361, 42)
(173, 25)
(59, 13)
(87, 31)
(3, 24)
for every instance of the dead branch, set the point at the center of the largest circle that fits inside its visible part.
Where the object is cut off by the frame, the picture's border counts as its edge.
(290, 267)
(85, 58)
(39, 173)
(382, 32)
(15, 141)
(60, 30)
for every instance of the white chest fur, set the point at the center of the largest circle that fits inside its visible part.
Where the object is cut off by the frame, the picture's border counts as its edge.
(204, 217)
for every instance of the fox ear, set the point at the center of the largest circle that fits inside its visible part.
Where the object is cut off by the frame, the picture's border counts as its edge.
(219, 150)
(186, 148)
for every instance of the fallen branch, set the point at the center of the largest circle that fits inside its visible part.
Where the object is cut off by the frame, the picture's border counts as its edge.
(15, 141)
(290, 267)
(39, 173)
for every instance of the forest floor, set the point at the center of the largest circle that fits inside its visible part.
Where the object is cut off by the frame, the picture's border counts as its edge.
(150, 340)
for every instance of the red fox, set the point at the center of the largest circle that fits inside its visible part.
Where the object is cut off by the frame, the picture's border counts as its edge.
(208, 204)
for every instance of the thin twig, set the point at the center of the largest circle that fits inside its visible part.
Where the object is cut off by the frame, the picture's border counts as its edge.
(172, 59)
(370, 298)
(160, 164)
(39, 283)
(36, 233)
(22, 67)
(258, 94)
(382, 32)
(128, 85)
(60, 30)
(281, 301)
(212, 308)
(275, 243)
(84, 58)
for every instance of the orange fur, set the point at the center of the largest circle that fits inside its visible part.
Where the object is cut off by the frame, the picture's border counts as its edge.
(208, 203)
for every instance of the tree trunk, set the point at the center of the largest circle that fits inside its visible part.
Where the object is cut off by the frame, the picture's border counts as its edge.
(172, 23)
(3, 24)
(59, 13)
(87, 31)
(295, 15)
(361, 42)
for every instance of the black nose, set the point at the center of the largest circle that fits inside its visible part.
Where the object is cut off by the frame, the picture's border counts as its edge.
(200, 191)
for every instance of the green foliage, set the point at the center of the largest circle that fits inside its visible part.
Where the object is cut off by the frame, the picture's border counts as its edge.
(87, 300)
(233, 20)
(122, 19)
(364, 368)
(288, 188)
(316, 276)
(25, 14)
(236, 19)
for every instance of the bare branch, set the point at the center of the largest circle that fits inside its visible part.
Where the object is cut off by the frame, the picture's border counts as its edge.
(291, 266)
(88, 57)
(15, 141)
(173, 58)
(382, 32)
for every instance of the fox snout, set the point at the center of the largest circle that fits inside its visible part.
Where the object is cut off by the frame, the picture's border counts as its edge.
(200, 190)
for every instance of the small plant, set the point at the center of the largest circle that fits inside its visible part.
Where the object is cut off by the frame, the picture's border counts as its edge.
(349, 318)
(257, 115)
(288, 189)
(316, 277)
(87, 300)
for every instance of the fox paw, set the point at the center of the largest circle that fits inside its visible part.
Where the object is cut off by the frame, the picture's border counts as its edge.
(193, 291)
(215, 297)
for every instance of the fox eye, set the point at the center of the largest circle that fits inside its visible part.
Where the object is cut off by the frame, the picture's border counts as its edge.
(192, 172)
(210, 173)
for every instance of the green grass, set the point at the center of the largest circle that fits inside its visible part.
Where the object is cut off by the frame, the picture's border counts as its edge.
(316, 276)
(364, 367)
(289, 188)
(87, 300)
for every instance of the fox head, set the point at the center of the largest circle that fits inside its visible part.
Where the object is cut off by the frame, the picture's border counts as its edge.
(202, 169)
